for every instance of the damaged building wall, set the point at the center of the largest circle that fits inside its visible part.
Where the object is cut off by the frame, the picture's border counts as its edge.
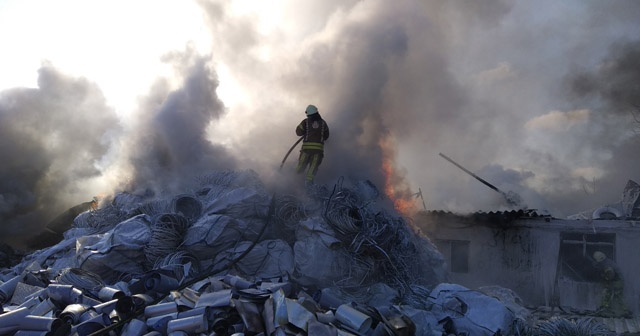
(546, 261)
(521, 260)
(578, 284)
(627, 235)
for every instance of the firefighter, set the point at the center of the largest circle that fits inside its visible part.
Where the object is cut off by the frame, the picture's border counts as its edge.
(314, 132)
(612, 303)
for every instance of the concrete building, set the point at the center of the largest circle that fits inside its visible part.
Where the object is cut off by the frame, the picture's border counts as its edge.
(547, 261)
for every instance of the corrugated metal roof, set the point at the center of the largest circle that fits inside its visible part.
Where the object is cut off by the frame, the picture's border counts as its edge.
(491, 218)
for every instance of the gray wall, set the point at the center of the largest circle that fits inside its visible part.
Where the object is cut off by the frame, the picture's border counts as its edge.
(524, 258)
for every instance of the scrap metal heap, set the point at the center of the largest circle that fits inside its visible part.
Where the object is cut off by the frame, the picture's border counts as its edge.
(227, 258)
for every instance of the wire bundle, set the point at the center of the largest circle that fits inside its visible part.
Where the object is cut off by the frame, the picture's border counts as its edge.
(374, 238)
(344, 215)
(176, 261)
(417, 297)
(80, 279)
(155, 207)
(580, 327)
(289, 211)
(250, 205)
(231, 180)
(167, 234)
(223, 178)
(188, 206)
(100, 220)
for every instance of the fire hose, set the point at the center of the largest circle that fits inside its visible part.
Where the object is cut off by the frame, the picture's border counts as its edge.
(289, 152)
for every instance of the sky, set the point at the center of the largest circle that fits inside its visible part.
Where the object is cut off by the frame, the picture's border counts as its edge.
(539, 98)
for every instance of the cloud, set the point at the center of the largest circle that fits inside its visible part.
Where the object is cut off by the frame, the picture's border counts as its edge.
(501, 72)
(556, 121)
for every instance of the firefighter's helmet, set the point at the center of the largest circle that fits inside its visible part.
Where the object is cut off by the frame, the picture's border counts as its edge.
(599, 256)
(311, 109)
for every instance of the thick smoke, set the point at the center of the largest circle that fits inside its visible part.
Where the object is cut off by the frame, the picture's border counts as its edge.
(535, 97)
(367, 69)
(482, 83)
(614, 83)
(167, 146)
(613, 89)
(54, 139)
(61, 139)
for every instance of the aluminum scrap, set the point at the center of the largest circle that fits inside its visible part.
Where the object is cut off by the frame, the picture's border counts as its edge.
(225, 305)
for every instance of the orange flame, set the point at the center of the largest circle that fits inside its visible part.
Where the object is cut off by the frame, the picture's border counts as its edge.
(395, 186)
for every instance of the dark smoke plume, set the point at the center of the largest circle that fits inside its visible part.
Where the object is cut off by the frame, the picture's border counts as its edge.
(613, 88)
(53, 140)
(61, 137)
(615, 82)
(168, 146)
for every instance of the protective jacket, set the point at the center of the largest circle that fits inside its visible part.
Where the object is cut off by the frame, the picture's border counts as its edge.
(612, 300)
(315, 131)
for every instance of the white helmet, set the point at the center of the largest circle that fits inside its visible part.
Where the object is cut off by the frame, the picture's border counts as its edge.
(599, 256)
(311, 109)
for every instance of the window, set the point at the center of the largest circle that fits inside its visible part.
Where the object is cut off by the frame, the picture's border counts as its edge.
(576, 254)
(457, 254)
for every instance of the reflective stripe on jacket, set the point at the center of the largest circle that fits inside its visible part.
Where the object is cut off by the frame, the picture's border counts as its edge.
(312, 145)
(314, 131)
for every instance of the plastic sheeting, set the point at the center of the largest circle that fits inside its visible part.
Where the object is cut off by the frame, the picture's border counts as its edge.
(212, 234)
(310, 268)
(509, 298)
(240, 202)
(316, 238)
(470, 311)
(266, 260)
(119, 251)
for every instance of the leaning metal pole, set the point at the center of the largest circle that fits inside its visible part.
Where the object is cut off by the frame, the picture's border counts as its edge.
(470, 173)
(512, 198)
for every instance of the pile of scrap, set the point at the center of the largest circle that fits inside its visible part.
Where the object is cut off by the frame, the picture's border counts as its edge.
(228, 258)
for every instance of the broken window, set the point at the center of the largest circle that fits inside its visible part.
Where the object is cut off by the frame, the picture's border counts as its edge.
(457, 253)
(576, 254)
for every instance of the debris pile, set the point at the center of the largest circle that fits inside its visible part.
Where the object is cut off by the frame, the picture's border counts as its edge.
(628, 208)
(229, 259)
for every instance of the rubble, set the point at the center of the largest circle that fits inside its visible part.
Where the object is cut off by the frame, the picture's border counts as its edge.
(229, 259)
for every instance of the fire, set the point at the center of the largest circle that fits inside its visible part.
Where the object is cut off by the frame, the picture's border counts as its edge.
(395, 186)
(97, 199)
